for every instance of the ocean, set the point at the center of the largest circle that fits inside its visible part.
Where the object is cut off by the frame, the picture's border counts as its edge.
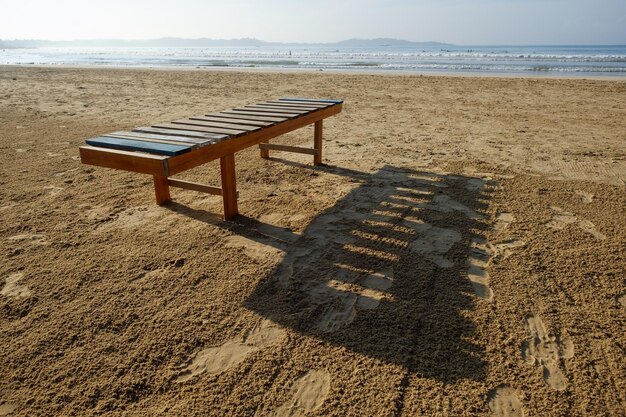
(556, 60)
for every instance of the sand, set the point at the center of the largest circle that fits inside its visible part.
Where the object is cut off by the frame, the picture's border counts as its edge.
(462, 252)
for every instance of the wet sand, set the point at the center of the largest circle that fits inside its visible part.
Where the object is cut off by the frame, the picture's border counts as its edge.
(460, 253)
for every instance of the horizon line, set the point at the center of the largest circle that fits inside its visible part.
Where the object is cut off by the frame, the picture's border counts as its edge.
(299, 43)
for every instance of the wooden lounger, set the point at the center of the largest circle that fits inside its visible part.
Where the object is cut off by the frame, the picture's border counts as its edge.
(166, 149)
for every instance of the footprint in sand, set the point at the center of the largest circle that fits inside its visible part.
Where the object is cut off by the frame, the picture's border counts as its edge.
(504, 402)
(445, 204)
(587, 226)
(160, 273)
(53, 190)
(99, 214)
(475, 184)
(218, 359)
(339, 310)
(255, 249)
(485, 182)
(6, 409)
(585, 196)
(62, 173)
(434, 242)
(148, 276)
(419, 180)
(307, 395)
(323, 230)
(505, 249)
(12, 288)
(34, 239)
(504, 220)
(277, 233)
(547, 350)
(130, 218)
(481, 253)
(562, 219)
(379, 281)
(344, 296)
(285, 273)
(276, 226)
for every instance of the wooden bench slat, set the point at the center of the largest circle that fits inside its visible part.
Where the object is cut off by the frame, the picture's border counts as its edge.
(229, 124)
(185, 133)
(137, 145)
(157, 137)
(270, 111)
(200, 122)
(175, 126)
(238, 121)
(144, 139)
(301, 104)
(251, 116)
(281, 116)
(287, 107)
(311, 100)
(256, 107)
(194, 123)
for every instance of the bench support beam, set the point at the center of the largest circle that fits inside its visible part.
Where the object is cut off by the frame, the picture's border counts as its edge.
(286, 148)
(194, 186)
(229, 186)
(265, 146)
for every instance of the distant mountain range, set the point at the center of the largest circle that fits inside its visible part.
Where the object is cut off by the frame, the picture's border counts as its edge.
(386, 42)
(181, 42)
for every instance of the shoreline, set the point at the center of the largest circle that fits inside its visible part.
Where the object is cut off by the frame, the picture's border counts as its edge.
(390, 73)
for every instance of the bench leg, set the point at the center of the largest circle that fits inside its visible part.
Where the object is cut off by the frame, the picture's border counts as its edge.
(265, 153)
(317, 143)
(229, 186)
(162, 190)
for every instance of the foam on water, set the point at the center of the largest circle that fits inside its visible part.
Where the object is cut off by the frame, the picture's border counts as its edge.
(594, 60)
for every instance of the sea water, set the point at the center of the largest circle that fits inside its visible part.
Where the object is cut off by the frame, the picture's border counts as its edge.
(563, 60)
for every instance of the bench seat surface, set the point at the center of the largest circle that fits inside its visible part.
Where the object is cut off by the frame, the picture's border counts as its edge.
(185, 135)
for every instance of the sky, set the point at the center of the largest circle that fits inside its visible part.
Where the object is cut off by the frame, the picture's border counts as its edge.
(463, 22)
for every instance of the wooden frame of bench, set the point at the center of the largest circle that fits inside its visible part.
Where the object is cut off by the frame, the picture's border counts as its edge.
(162, 167)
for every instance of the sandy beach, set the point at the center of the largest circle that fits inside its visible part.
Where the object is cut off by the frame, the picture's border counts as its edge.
(461, 253)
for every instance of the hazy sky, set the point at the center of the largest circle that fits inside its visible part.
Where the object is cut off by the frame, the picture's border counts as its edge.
(455, 21)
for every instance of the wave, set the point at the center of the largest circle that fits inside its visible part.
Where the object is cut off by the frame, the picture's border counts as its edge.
(597, 60)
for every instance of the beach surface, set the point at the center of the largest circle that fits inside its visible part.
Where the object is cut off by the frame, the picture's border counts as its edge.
(461, 253)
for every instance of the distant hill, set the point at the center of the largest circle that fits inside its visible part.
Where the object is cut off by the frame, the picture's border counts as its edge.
(386, 42)
(162, 42)
(181, 42)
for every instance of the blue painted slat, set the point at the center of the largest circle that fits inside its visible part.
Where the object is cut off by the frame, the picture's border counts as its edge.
(136, 145)
(321, 100)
